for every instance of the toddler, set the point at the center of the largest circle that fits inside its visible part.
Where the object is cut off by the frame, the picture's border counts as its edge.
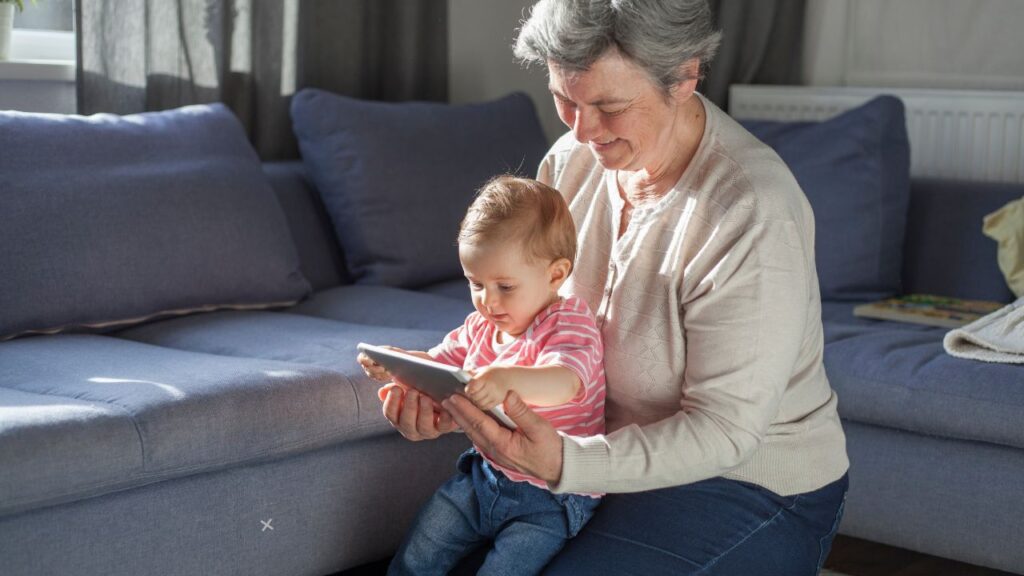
(517, 245)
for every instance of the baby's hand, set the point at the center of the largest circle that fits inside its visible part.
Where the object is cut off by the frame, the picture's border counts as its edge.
(376, 371)
(489, 387)
(373, 369)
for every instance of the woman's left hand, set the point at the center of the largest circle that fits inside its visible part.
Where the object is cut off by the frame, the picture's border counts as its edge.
(534, 448)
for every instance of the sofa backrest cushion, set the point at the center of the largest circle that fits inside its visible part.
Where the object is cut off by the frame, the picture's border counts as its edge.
(396, 178)
(855, 170)
(111, 220)
(946, 252)
(319, 254)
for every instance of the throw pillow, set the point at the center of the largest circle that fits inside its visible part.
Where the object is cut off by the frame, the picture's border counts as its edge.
(855, 170)
(1006, 226)
(396, 178)
(110, 220)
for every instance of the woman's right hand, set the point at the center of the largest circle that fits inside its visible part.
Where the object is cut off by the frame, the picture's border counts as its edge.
(413, 414)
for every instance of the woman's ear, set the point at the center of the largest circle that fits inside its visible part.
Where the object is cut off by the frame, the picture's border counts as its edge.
(558, 271)
(689, 72)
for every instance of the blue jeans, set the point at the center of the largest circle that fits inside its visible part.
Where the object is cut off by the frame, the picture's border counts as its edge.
(525, 525)
(714, 527)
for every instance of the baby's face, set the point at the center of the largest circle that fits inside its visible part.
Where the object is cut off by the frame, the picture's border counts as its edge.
(508, 290)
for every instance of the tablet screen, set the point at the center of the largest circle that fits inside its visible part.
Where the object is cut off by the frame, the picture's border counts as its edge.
(434, 379)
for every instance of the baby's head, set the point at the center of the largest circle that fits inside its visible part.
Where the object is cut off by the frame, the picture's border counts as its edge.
(517, 245)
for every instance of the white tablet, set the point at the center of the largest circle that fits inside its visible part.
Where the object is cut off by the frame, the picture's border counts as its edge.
(434, 379)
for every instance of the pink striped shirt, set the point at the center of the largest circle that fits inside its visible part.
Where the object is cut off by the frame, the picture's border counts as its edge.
(563, 334)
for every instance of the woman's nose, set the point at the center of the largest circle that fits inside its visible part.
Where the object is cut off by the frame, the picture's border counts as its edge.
(585, 126)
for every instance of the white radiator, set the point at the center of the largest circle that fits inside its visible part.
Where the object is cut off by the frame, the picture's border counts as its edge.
(954, 134)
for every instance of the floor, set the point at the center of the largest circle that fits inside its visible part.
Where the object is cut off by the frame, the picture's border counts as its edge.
(850, 556)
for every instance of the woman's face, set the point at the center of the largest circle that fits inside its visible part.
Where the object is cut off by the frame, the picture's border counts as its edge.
(618, 111)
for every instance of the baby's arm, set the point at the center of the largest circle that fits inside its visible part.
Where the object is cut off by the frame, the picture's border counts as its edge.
(376, 371)
(537, 385)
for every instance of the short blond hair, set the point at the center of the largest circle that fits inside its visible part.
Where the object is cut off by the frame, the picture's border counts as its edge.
(524, 211)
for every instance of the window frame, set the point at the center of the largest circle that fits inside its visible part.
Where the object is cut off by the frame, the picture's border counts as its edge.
(40, 55)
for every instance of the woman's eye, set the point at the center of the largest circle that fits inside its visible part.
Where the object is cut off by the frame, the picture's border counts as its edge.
(506, 288)
(475, 286)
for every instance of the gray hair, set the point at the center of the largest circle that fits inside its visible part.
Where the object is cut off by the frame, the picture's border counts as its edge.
(658, 35)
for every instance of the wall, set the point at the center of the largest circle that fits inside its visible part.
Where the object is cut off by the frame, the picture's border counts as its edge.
(480, 61)
(915, 43)
(36, 88)
(924, 43)
(962, 44)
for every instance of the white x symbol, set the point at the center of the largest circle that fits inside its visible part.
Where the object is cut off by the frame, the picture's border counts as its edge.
(266, 524)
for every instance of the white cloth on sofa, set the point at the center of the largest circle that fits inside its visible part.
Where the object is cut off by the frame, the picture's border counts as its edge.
(997, 337)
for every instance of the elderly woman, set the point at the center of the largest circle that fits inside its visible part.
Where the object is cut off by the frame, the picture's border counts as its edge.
(724, 452)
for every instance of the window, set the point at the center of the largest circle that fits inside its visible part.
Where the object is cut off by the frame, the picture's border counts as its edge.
(44, 31)
(39, 75)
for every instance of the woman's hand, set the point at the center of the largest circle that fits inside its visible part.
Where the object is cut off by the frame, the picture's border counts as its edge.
(413, 414)
(534, 448)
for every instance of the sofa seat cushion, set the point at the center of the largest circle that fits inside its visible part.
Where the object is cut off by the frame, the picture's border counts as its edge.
(292, 338)
(84, 415)
(87, 444)
(897, 375)
(386, 306)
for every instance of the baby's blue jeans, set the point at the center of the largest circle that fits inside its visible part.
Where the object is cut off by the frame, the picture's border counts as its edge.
(524, 525)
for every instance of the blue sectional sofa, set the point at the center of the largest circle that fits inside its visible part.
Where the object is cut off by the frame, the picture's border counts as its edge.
(178, 327)
(936, 443)
(242, 438)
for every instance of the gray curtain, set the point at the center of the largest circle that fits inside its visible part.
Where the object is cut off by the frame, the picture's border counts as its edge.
(762, 42)
(139, 55)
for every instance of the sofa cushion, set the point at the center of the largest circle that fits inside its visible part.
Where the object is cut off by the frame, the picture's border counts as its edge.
(898, 375)
(855, 170)
(53, 445)
(396, 178)
(458, 289)
(109, 220)
(319, 254)
(946, 252)
(386, 306)
(86, 414)
(286, 337)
